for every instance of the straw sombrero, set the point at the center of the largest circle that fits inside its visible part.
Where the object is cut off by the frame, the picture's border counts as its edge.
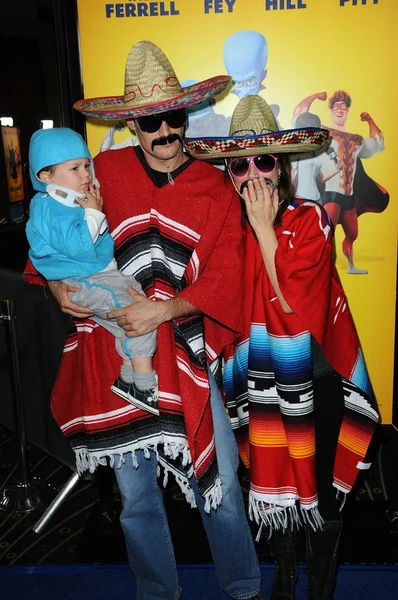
(254, 130)
(150, 86)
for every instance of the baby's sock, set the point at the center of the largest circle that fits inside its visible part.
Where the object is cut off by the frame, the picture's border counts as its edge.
(145, 380)
(127, 373)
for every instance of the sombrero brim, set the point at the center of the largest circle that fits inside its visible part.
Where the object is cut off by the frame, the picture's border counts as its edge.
(292, 141)
(114, 107)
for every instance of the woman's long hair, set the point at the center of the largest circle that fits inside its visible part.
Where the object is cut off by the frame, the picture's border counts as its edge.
(285, 185)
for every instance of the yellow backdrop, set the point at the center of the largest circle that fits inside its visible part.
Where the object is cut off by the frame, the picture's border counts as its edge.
(313, 46)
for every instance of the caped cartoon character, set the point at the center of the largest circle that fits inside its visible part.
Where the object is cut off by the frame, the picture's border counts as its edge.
(349, 192)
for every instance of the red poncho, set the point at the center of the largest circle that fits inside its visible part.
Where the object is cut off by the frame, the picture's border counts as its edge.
(268, 374)
(186, 240)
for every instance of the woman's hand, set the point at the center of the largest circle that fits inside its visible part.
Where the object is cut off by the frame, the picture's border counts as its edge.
(60, 292)
(262, 204)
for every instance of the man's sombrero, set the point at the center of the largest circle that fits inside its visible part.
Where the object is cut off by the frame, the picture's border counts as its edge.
(150, 86)
(254, 130)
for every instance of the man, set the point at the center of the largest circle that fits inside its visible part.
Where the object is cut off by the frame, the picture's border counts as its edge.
(177, 229)
(340, 198)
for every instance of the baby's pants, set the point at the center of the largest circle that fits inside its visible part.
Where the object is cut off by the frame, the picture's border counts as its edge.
(106, 291)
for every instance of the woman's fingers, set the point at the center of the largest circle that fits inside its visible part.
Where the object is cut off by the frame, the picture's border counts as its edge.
(259, 190)
(259, 197)
(246, 198)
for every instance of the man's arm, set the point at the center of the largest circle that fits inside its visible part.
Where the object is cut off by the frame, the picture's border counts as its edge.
(217, 292)
(144, 315)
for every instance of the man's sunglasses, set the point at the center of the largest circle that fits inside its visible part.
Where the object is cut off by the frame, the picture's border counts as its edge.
(265, 163)
(151, 123)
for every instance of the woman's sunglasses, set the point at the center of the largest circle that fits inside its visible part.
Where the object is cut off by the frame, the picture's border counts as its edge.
(265, 163)
(151, 123)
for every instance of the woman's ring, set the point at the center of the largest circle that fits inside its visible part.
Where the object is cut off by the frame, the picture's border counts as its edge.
(253, 200)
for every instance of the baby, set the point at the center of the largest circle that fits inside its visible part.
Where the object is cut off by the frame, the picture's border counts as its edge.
(70, 241)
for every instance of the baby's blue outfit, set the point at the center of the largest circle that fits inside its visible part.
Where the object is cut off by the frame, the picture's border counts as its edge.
(73, 244)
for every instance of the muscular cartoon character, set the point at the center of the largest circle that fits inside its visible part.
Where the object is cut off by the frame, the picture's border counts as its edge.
(345, 198)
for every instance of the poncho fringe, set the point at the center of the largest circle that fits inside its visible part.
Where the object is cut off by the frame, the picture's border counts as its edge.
(89, 461)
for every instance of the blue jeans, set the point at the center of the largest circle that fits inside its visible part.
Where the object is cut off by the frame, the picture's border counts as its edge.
(144, 522)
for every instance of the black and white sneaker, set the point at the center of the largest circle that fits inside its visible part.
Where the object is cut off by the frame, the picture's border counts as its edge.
(121, 388)
(144, 399)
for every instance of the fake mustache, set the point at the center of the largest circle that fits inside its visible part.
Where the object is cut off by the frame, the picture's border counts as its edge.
(267, 181)
(167, 139)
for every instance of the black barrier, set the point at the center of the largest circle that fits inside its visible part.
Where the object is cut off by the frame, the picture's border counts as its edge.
(21, 496)
(40, 328)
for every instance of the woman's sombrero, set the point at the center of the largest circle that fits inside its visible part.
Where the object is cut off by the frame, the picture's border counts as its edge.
(254, 130)
(150, 86)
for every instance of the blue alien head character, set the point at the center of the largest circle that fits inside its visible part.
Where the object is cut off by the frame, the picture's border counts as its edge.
(245, 59)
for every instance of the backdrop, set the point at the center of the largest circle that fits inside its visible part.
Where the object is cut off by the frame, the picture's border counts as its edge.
(297, 54)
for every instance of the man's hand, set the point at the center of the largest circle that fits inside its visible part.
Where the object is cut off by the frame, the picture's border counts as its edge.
(142, 316)
(322, 96)
(60, 292)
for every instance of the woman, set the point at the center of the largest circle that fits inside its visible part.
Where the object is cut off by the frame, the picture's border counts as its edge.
(297, 388)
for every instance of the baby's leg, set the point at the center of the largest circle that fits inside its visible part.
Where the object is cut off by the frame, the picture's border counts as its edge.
(142, 364)
(102, 293)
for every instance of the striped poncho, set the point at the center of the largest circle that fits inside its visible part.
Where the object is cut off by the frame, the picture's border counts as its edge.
(268, 376)
(180, 240)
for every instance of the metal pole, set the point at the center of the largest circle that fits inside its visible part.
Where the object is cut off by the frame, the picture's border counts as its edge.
(21, 497)
(66, 490)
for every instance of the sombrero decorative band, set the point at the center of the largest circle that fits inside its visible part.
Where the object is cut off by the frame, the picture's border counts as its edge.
(289, 141)
(150, 86)
(253, 131)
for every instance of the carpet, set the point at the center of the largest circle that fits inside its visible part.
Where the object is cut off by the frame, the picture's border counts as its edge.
(198, 582)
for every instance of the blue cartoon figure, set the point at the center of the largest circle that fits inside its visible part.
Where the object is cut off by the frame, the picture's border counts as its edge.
(245, 59)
